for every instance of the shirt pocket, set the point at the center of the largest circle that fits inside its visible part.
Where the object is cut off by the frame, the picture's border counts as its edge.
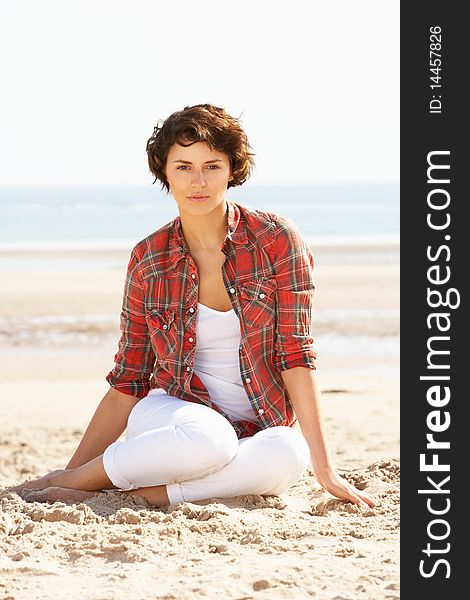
(163, 332)
(258, 302)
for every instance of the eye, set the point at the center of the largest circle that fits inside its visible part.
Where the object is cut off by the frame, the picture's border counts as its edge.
(186, 167)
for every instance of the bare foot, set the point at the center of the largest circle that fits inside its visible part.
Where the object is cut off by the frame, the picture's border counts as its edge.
(58, 494)
(34, 484)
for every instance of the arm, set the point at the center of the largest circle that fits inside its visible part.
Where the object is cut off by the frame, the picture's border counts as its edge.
(304, 394)
(295, 355)
(129, 380)
(135, 359)
(106, 425)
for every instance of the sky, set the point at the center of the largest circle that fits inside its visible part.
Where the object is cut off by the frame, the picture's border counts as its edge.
(315, 84)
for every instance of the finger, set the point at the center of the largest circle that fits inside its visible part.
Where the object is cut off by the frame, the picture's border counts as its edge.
(371, 501)
(364, 496)
(364, 493)
(365, 499)
(358, 500)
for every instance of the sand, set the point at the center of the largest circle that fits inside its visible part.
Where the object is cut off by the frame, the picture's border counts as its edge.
(303, 544)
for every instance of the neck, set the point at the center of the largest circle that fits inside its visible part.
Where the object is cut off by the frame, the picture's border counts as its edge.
(205, 232)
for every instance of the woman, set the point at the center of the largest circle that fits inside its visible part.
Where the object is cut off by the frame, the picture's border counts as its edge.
(216, 361)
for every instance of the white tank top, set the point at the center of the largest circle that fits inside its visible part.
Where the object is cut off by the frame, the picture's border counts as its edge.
(216, 361)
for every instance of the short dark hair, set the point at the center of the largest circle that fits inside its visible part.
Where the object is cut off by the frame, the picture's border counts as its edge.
(201, 123)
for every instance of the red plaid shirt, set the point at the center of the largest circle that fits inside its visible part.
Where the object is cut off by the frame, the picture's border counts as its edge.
(268, 275)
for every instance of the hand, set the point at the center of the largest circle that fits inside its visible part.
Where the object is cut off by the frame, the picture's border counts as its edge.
(339, 487)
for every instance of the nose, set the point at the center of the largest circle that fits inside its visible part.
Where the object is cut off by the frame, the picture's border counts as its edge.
(197, 179)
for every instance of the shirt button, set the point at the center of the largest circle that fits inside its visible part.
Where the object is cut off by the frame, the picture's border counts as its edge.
(193, 276)
(232, 290)
(261, 411)
(262, 295)
(165, 326)
(248, 380)
(191, 340)
(188, 368)
(191, 310)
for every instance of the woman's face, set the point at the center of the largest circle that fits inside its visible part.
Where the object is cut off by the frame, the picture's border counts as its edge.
(197, 176)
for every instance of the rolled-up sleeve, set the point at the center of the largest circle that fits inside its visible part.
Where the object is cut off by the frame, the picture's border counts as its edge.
(135, 358)
(293, 266)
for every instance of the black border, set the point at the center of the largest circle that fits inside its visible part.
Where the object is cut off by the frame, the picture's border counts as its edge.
(421, 133)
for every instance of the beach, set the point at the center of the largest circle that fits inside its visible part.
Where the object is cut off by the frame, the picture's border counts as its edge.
(59, 328)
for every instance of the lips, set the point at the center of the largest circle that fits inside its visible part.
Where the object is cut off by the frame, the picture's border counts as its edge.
(198, 198)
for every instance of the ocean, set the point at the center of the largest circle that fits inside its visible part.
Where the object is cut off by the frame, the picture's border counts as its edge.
(120, 217)
(328, 217)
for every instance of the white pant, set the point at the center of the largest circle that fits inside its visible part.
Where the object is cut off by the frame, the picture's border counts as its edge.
(195, 451)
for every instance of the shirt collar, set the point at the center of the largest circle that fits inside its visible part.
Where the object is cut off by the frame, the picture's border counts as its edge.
(236, 232)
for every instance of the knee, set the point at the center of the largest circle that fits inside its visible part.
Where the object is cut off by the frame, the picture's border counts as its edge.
(215, 441)
(286, 455)
(134, 424)
(222, 447)
(289, 448)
